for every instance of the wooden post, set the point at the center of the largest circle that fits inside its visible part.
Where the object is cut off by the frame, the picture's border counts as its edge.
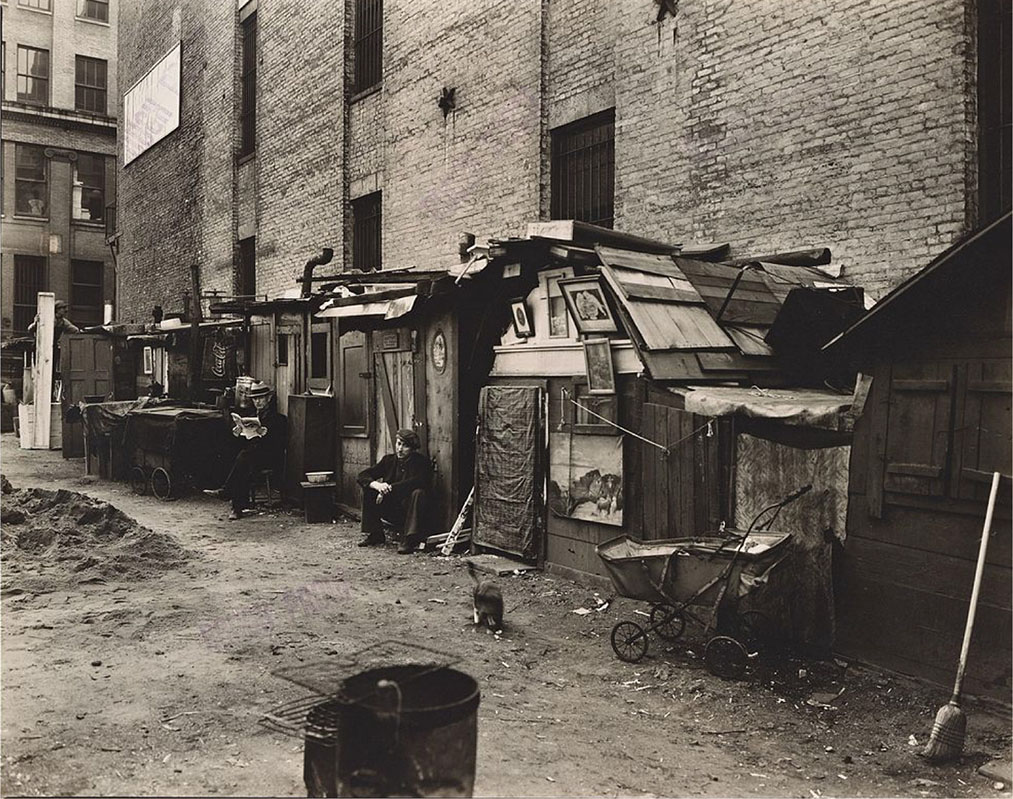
(196, 353)
(42, 372)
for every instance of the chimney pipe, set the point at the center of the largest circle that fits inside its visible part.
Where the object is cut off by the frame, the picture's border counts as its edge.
(307, 273)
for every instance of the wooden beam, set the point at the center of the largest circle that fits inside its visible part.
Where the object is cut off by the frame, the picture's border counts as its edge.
(365, 278)
(816, 257)
(589, 235)
(42, 371)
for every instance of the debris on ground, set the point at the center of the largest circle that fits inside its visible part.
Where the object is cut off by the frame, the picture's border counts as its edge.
(58, 537)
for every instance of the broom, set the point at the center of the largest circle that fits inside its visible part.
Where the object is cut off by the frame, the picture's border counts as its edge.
(947, 739)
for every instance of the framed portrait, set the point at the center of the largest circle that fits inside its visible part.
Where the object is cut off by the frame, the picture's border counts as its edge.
(601, 378)
(148, 358)
(521, 319)
(586, 303)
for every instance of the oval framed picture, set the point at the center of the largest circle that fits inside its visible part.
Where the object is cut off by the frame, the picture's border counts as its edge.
(438, 352)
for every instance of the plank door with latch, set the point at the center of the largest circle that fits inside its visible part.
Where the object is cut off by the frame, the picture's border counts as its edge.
(399, 388)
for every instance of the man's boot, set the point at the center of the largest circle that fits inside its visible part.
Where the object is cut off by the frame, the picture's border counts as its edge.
(372, 540)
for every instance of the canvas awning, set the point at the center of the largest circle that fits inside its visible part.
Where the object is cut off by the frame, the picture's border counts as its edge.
(364, 306)
(800, 407)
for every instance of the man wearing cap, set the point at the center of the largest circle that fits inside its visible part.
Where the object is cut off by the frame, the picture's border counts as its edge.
(395, 490)
(265, 451)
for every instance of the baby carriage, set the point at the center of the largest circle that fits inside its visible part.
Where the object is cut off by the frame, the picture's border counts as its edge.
(712, 572)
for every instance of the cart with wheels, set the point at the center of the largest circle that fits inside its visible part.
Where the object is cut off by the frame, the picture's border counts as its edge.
(174, 449)
(701, 578)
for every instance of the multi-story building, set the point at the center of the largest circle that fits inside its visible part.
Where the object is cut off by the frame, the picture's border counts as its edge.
(59, 148)
(385, 129)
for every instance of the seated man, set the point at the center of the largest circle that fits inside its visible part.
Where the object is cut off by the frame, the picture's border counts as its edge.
(262, 448)
(395, 490)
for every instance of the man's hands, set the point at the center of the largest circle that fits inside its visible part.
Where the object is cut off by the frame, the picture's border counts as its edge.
(381, 488)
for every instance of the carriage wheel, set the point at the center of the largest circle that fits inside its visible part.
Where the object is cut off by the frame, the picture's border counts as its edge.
(668, 622)
(725, 657)
(629, 641)
(756, 629)
(161, 484)
(138, 480)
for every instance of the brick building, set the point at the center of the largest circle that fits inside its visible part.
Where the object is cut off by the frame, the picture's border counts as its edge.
(58, 156)
(859, 126)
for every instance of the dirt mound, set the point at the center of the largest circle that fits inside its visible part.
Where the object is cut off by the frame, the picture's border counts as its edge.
(63, 536)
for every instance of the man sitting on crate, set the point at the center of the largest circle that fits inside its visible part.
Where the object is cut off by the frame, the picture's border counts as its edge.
(263, 440)
(394, 490)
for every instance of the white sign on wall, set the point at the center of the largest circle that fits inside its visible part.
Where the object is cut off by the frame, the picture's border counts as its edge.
(151, 106)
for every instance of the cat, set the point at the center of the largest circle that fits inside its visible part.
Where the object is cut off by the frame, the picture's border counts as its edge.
(487, 601)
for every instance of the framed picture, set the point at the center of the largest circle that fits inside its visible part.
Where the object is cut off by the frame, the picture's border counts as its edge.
(601, 379)
(148, 360)
(521, 318)
(586, 302)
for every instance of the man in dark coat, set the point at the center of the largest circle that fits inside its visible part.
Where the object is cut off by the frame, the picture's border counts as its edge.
(259, 452)
(395, 489)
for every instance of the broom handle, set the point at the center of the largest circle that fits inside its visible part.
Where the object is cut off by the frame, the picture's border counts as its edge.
(977, 586)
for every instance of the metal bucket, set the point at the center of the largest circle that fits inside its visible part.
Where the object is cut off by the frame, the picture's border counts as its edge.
(396, 731)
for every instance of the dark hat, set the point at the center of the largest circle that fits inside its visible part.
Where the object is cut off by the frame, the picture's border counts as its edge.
(409, 438)
(260, 389)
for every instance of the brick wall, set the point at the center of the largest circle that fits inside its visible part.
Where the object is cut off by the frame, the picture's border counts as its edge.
(780, 125)
(765, 124)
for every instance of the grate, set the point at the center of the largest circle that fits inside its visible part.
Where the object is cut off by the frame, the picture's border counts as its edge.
(316, 716)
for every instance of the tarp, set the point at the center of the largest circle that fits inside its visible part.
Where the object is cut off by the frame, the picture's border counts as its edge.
(507, 470)
(802, 407)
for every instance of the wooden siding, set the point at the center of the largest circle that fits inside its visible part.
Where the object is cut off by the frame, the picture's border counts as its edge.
(752, 302)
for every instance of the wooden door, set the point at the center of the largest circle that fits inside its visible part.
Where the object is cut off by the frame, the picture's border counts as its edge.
(399, 388)
(86, 365)
(288, 358)
(681, 491)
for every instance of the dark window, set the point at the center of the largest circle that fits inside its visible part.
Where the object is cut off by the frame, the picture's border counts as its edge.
(246, 274)
(248, 110)
(86, 293)
(93, 9)
(29, 280)
(318, 354)
(42, 5)
(282, 349)
(33, 75)
(583, 170)
(368, 44)
(89, 187)
(367, 233)
(995, 121)
(31, 181)
(90, 84)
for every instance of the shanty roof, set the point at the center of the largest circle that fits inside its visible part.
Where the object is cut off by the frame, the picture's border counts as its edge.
(958, 267)
(799, 407)
(692, 319)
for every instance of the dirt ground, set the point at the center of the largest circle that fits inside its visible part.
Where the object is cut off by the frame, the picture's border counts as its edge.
(139, 643)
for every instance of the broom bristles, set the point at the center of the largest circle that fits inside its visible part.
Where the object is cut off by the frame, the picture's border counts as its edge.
(947, 739)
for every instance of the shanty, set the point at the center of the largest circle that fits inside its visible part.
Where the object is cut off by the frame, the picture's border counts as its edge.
(586, 398)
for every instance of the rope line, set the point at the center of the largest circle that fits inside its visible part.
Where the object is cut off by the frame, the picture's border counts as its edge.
(667, 450)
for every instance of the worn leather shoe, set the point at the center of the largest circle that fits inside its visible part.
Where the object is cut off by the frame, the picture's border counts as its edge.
(407, 547)
(371, 541)
(235, 514)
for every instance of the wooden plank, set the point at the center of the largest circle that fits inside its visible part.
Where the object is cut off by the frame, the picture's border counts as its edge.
(387, 397)
(879, 411)
(991, 386)
(640, 291)
(42, 371)
(920, 385)
(914, 469)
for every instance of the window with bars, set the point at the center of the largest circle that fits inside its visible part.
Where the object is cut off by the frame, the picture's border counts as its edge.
(367, 233)
(583, 170)
(368, 44)
(29, 280)
(33, 75)
(995, 120)
(89, 187)
(31, 181)
(87, 296)
(90, 84)
(93, 9)
(248, 107)
(41, 5)
(246, 273)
